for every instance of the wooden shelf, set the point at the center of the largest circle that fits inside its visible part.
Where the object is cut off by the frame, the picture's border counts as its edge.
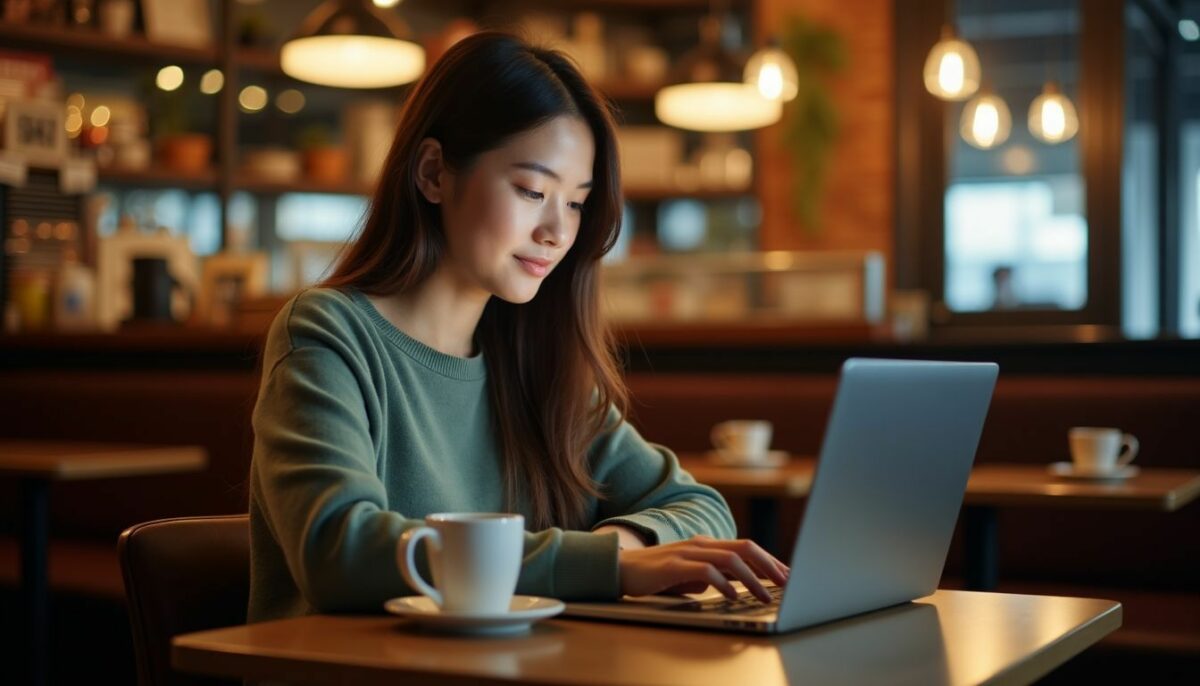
(90, 44)
(272, 187)
(159, 178)
(645, 194)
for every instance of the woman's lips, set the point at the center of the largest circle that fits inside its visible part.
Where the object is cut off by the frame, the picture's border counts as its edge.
(534, 267)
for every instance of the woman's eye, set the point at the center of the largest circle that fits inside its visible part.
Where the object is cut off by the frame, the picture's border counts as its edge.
(532, 195)
(577, 206)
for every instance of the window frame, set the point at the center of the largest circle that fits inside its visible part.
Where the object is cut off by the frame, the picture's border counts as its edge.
(922, 171)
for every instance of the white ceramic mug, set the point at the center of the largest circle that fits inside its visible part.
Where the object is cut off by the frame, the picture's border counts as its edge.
(475, 558)
(1101, 449)
(745, 439)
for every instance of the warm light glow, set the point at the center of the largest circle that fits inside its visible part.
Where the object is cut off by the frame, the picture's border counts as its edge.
(1018, 160)
(1052, 117)
(721, 106)
(75, 100)
(74, 122)
(952, 68)
(773, 73)
(253, 98)
(353, 61)
(290, 101)
(986, 122)
(169, 78)
(950, 73)
(100, 116)
(212, 82)
(386, 3)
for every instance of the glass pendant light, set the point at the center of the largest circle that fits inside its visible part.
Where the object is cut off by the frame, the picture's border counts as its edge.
(986, 121)
(773, 72)
(1052, 117)
(952, 68)
(351, 44)
(708, 92)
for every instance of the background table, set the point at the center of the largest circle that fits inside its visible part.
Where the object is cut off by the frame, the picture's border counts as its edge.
(951, 637)
(36, 464)
(991, 486)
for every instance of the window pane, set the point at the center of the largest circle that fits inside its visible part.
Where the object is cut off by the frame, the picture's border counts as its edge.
(1139, 175)
(1189, 177)
(1016, 232)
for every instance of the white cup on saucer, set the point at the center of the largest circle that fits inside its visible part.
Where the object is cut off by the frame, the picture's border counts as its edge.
(1101, 450)
(475, 558)
(743, 440)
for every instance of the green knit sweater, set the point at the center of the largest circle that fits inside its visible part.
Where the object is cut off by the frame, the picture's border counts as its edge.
(361, 431)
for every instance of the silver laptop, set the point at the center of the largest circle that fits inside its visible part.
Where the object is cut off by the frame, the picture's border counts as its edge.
(889, 483)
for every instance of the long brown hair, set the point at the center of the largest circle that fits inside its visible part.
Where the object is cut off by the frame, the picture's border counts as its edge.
(552, 372)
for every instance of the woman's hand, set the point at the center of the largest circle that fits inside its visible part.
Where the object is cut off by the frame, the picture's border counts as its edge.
(695, 564)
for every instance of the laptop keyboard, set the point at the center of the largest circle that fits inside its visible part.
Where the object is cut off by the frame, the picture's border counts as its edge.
(744, 604)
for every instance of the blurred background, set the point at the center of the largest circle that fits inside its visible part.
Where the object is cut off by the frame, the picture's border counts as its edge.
(804, 180)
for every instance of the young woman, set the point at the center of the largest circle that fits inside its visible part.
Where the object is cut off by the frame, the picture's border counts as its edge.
(455, 361)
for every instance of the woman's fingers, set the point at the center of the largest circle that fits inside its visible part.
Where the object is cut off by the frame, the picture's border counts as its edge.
(752, 553)
(691, 570)
(728, 560)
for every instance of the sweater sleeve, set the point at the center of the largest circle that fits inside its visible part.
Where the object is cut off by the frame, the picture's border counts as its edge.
(315, 477)
(648, 491)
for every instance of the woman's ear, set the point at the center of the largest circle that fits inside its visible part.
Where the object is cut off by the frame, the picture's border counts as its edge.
(431, 170)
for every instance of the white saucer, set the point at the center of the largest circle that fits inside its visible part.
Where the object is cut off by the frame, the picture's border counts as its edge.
(523, 611)
(1068, 470)
(773, 458)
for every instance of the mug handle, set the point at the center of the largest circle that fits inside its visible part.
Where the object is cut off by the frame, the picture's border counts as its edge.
(1129, 450)
(408, 565)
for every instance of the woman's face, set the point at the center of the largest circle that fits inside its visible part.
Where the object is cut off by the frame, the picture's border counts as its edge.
(512, 216)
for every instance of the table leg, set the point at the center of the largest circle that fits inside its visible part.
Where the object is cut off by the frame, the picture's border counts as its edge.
(35, 596)
(764, 523)
(981, 537)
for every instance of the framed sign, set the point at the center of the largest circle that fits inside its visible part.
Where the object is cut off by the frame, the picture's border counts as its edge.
(35, 131)
(226, 279)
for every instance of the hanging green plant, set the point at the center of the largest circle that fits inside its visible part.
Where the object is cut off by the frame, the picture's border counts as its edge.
(811, 119)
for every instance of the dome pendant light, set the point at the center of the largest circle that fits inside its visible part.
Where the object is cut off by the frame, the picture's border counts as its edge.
(986, 121)
(350, 44)
(708, 91)
(952, 68)
(774, 73)
(1052, 117)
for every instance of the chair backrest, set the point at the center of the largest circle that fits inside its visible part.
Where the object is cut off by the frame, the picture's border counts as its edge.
(183, 574)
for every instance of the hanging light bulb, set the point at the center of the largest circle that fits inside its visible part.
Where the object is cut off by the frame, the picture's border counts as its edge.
(1052, 116)
(986, 121)
(773, 72)
(351, 44)
(708, 92)
(952, 68)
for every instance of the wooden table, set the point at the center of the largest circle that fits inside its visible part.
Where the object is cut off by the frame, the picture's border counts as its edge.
(991, 486)
(37, 463)
(951, 637)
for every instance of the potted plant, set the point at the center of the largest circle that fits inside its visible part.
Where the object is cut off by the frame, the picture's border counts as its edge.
(178, 147)
(323, 160)
(811, 119)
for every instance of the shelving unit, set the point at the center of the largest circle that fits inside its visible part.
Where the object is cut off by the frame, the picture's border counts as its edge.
(243, 65)
(90, 44)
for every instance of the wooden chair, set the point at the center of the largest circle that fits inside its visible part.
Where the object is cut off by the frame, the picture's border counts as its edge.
(181, 575)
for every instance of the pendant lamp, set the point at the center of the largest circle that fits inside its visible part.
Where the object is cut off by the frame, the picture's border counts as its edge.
(986, 121)
(952, 68)
(1052, 117)
(773, 72)
(707, 91)
(351, 44)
